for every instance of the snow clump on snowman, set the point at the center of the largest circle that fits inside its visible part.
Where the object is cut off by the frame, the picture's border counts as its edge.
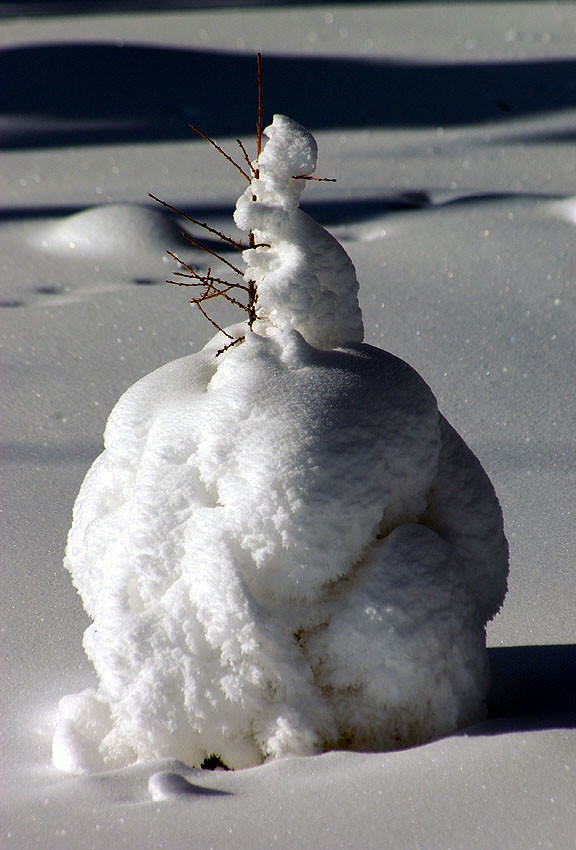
(284, 549)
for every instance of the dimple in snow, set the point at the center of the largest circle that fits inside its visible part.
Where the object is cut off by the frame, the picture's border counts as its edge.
(287, 548)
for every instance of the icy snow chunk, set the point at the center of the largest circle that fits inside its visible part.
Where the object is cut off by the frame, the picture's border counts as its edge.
(286, 548)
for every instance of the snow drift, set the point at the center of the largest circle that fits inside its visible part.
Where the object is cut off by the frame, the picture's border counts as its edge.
(286, 548)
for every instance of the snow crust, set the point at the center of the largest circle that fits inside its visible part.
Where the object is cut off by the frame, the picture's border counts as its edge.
(286, 548)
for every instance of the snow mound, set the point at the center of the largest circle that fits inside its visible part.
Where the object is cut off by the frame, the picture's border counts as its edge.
(286, 548)
(167, 785)
(565, 209)
(113, 229)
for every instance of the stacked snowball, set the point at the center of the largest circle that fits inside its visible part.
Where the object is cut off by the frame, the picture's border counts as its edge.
(286, 548)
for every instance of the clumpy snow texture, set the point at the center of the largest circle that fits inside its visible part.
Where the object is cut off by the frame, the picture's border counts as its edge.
(306, 280)
(286, 548)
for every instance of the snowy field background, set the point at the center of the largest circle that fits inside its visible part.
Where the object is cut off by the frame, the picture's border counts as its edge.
(451, 132)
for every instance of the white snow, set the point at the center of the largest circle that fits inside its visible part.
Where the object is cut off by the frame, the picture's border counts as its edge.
(283, 550)
(305, 279)
(461, 232)
(124, 229)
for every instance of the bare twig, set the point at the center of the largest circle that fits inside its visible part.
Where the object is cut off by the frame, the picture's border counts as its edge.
(318, 179)
(247, 158)
(210, 286)
(219, 149)
(252, 299)
(212, 322)
(216, 287)
(203, 224)
(214, 254)
(230, 345)
(259, 124)
(212, 280)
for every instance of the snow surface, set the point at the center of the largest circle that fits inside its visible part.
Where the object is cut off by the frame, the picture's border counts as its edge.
(455, 201)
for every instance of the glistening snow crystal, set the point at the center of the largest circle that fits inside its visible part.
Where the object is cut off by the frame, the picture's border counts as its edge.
(286, 548)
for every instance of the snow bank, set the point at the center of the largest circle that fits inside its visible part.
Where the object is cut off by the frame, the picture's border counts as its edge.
(286, 548)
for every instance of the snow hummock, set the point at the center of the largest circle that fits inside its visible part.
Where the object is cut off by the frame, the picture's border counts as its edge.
(124, 229)
(286, 548)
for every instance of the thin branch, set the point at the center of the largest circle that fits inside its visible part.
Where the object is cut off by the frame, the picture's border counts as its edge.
(207, 276)
(252, 300)
(247, 158)
(181, 283)
(203, 224)
(216, 287)
(259, 126)
(214, 254)
(212, 322)
(318, 179)
(183, 274)
(212, 291)
(230, 345)
(206, 279)
(219, 149)
(182, 263)
(211, 279)
(231, 300)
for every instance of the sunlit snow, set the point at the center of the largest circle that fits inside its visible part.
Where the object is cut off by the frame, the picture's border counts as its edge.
(449, 128)
(284, 547)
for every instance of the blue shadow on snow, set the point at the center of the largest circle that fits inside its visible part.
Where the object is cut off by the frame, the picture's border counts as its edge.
(533, 687)
(77, 94)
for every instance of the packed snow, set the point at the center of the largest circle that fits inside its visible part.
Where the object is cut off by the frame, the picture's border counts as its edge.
(305, 279)
(284, 548)
(448, 128)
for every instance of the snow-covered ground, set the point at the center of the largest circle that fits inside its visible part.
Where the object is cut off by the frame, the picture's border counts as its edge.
(450, 130)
